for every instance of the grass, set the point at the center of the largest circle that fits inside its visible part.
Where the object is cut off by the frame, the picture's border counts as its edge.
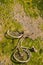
(34, 8)
(41, 26)
(29, 8)
(37, 43)
(7, 22)
(7, 46)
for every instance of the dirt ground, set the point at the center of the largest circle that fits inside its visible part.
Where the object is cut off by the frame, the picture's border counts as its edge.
(31, 25)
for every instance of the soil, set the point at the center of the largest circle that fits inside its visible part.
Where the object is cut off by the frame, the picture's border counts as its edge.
(30, 25)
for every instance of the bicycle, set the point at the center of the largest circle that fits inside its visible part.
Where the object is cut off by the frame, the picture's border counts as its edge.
(21, 54)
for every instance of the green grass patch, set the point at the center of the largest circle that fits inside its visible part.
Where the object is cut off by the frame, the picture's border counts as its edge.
(7, 22)
(41, 26)
(32, 8)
